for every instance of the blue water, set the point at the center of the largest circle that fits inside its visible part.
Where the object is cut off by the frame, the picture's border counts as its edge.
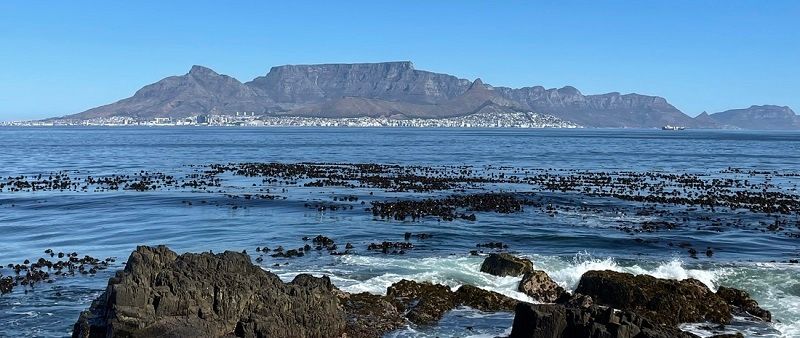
(105, 224)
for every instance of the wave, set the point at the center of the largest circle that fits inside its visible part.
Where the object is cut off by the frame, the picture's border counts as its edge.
(774, 287)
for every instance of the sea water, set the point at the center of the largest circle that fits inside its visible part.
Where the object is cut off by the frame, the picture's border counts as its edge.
(112, 224)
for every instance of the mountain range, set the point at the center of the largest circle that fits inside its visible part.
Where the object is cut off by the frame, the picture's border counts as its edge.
(398, 90)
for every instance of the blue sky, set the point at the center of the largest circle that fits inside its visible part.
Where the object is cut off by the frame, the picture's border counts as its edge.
(64, 57)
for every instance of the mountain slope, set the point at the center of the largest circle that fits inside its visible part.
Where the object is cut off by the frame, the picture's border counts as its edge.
(201, 90)
(766, 117)
(605, 110)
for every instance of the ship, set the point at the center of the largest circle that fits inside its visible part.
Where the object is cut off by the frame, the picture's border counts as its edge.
(670, 127)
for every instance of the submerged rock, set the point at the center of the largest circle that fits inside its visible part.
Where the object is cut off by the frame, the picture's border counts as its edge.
(663, 301)
(161, 294)
(503, 264)
(538, 285)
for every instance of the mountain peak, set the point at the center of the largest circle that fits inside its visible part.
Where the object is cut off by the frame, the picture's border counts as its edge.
(202, 71)
(477, 84)
(569, 90)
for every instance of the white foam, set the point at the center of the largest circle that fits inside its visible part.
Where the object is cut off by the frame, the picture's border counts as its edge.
(568, 273)
(374, 274)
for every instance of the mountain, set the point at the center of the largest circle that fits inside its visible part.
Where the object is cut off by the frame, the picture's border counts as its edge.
(605, 110)
(766, 117)
(388, 81)
(200, 91)
(387, 89)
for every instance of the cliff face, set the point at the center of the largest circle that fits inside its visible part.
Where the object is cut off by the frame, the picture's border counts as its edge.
(766, 117)
(392, 89)
(390, 81)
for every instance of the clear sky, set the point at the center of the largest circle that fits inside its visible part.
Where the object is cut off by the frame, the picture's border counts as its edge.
(60, 57)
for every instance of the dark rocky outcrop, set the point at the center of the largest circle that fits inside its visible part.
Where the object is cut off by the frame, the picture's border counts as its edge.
(663, 301)
(162, 294)
(538, 285)
(370, 315)
(557, 321)
(425, 303)
(742, 304)
(484, 300)
(650, 307)
(504, 264)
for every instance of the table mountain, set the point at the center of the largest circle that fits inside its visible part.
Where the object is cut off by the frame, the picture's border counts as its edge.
(387, 89)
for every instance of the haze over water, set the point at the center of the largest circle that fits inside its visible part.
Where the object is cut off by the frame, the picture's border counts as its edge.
(113, 223)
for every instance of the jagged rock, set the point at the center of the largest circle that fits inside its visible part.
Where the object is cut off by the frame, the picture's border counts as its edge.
(557, 321)
(425, 303)
(161, 294)
(540, 286)
(484, 300)
(742, 303)
(503, 264)
(370, 315)
(728, 335)
(663, 301)
(577, 300)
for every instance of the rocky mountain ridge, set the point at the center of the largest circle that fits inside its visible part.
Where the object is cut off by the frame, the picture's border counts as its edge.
(398, 90)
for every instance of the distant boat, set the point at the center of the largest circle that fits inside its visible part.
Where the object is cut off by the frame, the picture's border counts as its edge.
(669, 127)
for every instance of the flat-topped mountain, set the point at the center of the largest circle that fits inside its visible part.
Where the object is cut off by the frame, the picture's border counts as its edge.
(387, 89)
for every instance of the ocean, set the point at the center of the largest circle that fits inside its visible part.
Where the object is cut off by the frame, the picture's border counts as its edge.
(587, 232)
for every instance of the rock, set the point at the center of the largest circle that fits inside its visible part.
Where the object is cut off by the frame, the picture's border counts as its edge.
(370, 315)
(557, 321)
(728, 335)
(537, 321)
(577, 300)
(484, 300)
(161, 294)
(742, 303)
(538, 285)
(423, 303)
(503, 264)
(663, 301)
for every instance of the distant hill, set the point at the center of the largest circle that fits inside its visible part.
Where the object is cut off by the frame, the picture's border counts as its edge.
(766, 117)
(387, 89)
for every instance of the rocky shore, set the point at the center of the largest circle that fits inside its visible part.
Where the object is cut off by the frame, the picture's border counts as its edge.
(163, 294)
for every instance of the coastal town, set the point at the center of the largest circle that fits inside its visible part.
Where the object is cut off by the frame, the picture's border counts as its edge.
(250, 119)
